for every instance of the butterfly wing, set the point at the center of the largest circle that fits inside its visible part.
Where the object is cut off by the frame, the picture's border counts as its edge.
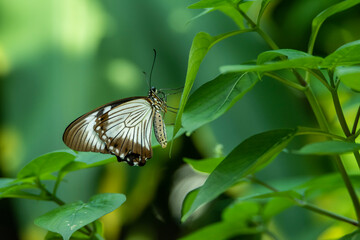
(121, 128)
(126, 130)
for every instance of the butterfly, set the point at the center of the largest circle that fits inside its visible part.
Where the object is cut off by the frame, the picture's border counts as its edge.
(121, 128)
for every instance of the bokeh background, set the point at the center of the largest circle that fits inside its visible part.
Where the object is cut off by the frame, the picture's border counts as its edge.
(60, 59)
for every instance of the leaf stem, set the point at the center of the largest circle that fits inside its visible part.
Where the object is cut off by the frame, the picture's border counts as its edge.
(284, 81)
(50, 196)
(316, 109)
(340, 113)
(307, 205)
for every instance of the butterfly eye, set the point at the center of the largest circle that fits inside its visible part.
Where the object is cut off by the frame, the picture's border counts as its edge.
(153, 89)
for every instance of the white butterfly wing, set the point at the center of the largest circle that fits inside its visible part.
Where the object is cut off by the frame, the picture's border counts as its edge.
(126, 130)
(122, 128)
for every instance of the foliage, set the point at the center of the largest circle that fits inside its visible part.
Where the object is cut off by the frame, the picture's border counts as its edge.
(251, 214)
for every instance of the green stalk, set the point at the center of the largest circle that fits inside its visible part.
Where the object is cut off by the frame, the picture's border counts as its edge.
(307, 205)
(286, 82)
(356, 121)
(318, 113)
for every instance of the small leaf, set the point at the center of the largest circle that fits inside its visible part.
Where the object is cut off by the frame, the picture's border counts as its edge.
(241, 212)
(348, 54)
(328, 148)
(204, 165)
(216, 97)
(276, 206)
(222, 231)
(248, 157)
(350, 76)
(306, 62)
(45, 164)
(321, 17)
(66, 219)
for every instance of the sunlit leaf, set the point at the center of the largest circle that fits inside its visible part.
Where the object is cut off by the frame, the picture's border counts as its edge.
(351, 236)
(350, 76)
(321, 17)
(347, 54)
(328, 148)
(66, 219)
(214, 98)
(248, 157)
(280, 53)
(306, 62)
(204, 165)
(45, 164)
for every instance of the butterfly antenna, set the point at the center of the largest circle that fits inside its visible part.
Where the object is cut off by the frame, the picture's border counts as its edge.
(145, 79)
(152, 67)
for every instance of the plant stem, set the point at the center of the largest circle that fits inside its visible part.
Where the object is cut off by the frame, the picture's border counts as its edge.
(340, 113)
(307, 205)
(316, 109)
(356, 121)
(48, 194)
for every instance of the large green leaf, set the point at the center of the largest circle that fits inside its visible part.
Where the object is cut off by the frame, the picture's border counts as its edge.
(66, 219)
(347, 54)
(214, 98)
(350, 76)
(204, 165)
(199, 48)
(305, 62)
(248, 157)
(328, 148)
(45, 164)
(321, 17)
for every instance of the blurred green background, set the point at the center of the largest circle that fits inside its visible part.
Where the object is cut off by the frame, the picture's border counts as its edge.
(60, 59)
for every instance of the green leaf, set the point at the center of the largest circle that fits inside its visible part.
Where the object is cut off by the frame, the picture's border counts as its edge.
(248, 157)
(188, 201)
(241, 212)
(204, 165)
(306, 62)
(280, 53)
(88, 160)
(225, 6)
(67, 219)
(216, 97)
(169, 134)
(347, 54)
(328, 148)
(264, 4)
(221, 231)
(45, 164)
(351, 236)
(350, 76)
(276, 206)
(199, 48)
(321, 17)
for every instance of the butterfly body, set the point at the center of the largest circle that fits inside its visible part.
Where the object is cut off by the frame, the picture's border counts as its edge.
(121, 128)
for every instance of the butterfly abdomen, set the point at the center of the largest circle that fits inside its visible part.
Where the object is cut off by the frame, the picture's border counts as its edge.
(159, 129)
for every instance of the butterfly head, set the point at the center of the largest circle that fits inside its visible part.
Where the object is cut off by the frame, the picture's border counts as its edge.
(158, 98)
